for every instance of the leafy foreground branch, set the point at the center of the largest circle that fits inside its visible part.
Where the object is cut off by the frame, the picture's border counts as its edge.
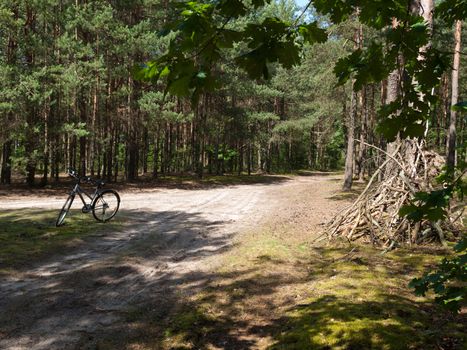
(448, 281)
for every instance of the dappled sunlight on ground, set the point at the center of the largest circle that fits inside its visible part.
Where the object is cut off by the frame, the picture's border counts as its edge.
(227, 268)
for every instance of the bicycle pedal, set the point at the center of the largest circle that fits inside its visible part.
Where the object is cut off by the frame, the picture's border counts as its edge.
(86, 209)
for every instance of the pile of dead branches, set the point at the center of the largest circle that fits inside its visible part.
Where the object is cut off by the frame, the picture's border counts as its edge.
(373, 217)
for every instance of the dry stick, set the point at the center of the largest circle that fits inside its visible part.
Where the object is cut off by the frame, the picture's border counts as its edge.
(407, 182)
(346, 216)
(459, 216)
(413, 165)
(394, 189)
(345, 256)
(349, 236)
(370, 220)
(386, 153)
(414, 234)
(438, 229)
(370, 182)
(425, 170)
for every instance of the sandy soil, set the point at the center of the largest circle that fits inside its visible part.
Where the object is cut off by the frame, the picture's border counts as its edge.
(173, 237)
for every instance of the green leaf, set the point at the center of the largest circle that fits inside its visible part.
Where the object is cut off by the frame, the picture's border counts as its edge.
(435, 214)
(311, 33)
(138, 71)
(419, 27)
(259, 3)
(461, 245)
(338, 10)
(232, 8)
(413, 130)
(254, 63)
(407, 210)
(180, 87)
(420, 286)
(287, 54)
(389, 126)
(460, 107)
(227, 37)
(451, 10)
(346, 65)
(165, 72)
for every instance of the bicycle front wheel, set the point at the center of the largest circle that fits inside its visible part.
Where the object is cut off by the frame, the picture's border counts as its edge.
(65, 210)
(106, 205)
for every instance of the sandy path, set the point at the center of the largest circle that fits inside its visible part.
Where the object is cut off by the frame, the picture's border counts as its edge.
(175, 237)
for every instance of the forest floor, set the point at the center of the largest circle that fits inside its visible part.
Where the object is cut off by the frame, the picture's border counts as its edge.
(211, 265)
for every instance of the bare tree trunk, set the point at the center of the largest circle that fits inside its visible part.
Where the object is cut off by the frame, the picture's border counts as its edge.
(363, 136)
(5, 174)
(6, 166)
(82, 139)
(46, 145)
(392, 92)
(451, 144)
(349, 158)
(30, 145)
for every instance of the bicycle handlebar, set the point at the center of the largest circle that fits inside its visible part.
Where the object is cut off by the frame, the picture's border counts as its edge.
(73, 173)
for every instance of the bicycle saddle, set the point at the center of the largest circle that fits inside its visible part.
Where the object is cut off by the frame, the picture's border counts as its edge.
(100, 183)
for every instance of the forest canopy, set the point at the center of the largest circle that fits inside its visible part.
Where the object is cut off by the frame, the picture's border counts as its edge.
(128, 89)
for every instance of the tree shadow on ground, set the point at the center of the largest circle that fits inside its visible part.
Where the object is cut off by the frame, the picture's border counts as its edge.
(28, 236)
(153, 288)
(349, 195)
(81, 290)
(339, 323)
(184, 182)
(244, 308)
(317, 173)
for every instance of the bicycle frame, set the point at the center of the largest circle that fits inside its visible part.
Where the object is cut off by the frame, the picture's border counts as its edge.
(78, 190)
(97, 202)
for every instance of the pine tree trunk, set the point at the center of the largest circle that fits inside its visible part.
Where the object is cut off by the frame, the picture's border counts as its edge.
(30, 144)
(349, 157)
(5, 174)
(46, 147)
(5, 177)
(451, 146)
(363, 136)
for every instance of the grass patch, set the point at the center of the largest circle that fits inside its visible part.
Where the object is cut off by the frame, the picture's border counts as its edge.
(28, 235)
(188, 326)
(277, 293)
(361, 301)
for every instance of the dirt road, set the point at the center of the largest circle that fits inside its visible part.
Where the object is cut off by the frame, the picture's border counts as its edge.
(174, 238)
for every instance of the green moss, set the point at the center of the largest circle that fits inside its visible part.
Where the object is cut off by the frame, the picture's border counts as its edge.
(31, 234)
(330, 322)
(361, 301)
(188, 326)
(277, 291)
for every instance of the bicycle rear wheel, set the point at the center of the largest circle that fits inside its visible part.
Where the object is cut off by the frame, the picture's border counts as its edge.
(106, 205)
(65, 210)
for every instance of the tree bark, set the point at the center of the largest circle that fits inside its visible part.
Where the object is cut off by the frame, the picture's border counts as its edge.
(349, 158)
(451, 144)
(363, 134)
(6, 166)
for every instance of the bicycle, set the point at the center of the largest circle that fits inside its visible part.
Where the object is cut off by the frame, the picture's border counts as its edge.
(104, 203)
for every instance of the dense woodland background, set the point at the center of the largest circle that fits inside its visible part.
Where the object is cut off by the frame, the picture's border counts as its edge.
(68, 97)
